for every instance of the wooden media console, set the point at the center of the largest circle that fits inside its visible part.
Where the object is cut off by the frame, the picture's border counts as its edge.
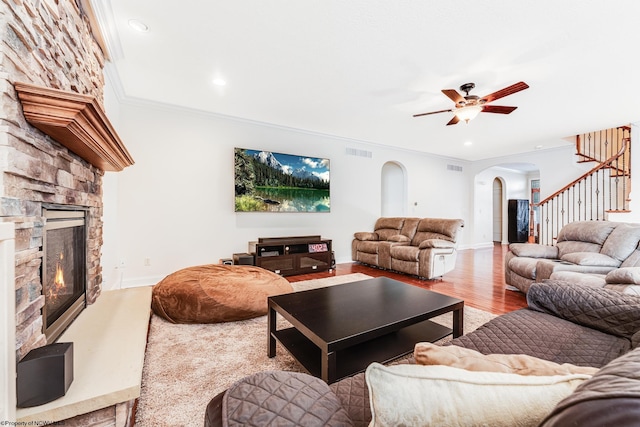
(294, 255)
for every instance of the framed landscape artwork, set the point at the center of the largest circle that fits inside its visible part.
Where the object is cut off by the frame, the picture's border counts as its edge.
(267, 181)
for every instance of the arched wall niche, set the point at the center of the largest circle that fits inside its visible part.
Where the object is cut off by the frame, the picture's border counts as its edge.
(393, 187)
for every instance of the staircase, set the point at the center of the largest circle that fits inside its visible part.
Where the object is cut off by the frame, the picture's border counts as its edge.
(602, 190)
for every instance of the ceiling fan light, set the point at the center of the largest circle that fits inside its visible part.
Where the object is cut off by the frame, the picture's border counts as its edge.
(468, 113)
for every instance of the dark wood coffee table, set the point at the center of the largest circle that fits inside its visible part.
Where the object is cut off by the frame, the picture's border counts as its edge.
(339, 330)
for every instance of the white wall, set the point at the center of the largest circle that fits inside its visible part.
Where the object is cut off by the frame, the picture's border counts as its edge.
(111, 274)
(175, 205)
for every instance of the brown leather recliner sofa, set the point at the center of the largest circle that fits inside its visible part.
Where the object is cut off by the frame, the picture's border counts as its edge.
(596, 253)
(424, 247)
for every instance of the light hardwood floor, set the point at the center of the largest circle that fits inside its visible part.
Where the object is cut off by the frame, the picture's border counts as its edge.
(478, 279)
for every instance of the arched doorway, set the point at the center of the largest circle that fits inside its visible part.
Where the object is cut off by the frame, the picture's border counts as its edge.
(515, 180)
(393, 190)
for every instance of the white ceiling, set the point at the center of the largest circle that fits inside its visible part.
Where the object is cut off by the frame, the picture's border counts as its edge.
(360, 69)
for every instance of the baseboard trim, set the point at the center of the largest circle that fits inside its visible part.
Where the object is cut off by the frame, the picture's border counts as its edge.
(484, 245)
(140, 282)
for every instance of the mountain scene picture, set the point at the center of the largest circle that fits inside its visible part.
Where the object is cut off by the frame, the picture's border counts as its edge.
(274, 182)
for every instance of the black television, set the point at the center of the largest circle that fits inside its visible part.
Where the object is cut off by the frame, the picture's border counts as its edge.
(266, 181)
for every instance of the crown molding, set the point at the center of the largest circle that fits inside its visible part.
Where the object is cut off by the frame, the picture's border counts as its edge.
(103, 26)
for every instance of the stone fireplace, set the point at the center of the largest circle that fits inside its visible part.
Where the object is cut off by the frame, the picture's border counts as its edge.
(55, 145)
(62, 150)
(34, 184)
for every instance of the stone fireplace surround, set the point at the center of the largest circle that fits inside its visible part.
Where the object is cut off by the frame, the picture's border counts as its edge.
(38, 169)
(45, 156)
(75, 178)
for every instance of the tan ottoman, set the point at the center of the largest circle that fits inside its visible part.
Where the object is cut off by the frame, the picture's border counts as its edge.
(216, 293)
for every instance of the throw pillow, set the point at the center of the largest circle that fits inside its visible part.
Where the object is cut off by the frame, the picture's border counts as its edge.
(426, 353)
(415, 395)
(622, 241)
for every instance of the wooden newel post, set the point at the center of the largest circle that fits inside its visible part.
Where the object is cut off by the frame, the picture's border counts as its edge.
(532, 237)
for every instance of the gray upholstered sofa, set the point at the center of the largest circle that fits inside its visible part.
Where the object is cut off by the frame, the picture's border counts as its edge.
(596, 253)
(564, 323)
(424, 247)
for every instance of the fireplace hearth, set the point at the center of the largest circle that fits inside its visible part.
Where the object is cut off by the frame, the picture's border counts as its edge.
(64, 277)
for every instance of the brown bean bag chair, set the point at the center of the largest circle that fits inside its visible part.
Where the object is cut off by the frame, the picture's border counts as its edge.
(216, 293)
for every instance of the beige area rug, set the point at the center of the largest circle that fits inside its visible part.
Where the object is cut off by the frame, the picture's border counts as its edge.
(187, 365)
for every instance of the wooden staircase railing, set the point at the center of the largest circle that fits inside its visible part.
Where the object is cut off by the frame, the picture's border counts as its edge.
(603, 189)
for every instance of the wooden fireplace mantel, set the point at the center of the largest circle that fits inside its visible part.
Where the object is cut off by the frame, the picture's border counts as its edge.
(75, 121)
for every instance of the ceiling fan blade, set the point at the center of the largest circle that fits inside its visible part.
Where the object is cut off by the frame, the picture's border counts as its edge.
(453, 121)
(504, 92)
(453, 95)
(432, 112)
(497, 109)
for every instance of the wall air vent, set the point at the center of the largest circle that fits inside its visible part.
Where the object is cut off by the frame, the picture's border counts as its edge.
(454, 168)
(359, 153)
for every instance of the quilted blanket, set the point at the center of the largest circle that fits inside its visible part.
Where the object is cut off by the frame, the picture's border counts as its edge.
(545, 336)
(279, 398)
(606, 310)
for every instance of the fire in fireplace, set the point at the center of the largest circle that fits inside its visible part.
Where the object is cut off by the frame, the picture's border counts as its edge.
(63, 268)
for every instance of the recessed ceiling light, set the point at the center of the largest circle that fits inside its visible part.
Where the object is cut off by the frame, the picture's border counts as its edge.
(468, 143)
(219, 82)
(138, 25)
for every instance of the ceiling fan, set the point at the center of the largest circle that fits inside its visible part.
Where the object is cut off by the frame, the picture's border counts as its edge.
(468, 106)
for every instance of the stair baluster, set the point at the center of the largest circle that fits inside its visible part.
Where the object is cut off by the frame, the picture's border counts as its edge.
(602, 190)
